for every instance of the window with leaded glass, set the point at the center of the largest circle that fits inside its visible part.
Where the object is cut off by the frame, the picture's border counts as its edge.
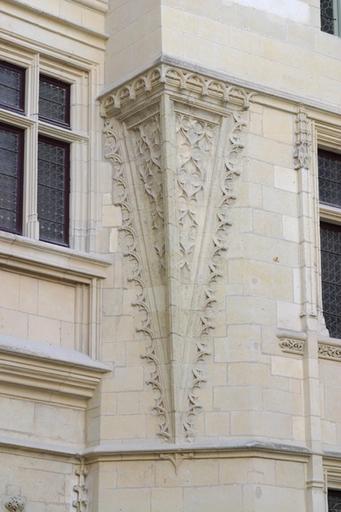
(331, 276)
(53, 190)
(11, 178)
(334, 500)
(330, 16)
(12, 86)
(329, 165)
(54, 101)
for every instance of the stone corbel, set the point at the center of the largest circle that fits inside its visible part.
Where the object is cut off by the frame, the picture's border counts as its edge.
(175, 139)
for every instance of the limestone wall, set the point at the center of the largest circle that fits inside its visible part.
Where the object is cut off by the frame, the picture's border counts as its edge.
(193, 272)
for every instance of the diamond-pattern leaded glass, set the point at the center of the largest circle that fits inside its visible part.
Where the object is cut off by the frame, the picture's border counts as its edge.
(11, 174)
(12, 86)
(327, 16)
(331, 277)
(54, 100)
(329, 165)
(334, 501)
(53, 190)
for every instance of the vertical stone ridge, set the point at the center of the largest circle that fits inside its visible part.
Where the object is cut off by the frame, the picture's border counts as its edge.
(218, 246)
(147, 142)
(114, 154)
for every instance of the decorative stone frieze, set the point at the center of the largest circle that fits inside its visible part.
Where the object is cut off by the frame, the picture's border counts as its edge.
(329, 351)
(164, 76)
(292, 345)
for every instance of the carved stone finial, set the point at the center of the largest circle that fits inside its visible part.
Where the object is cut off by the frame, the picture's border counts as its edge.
(15, 504)
(302, 153)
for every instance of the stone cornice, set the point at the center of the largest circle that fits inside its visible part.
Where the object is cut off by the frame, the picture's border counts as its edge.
(262, 93)
(173, 78)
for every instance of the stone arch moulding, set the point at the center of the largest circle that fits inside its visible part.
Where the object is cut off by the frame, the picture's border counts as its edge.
(175, 139)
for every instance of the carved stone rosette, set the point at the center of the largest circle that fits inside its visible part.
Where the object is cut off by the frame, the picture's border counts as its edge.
(15, 504)
(181, 134)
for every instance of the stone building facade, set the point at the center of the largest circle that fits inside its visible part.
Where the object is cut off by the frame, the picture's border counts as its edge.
(172, 344)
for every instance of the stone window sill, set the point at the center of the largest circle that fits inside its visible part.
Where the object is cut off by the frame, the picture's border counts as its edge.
(19, 248)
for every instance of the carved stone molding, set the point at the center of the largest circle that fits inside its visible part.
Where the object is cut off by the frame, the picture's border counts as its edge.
(292, 345)
(303, 142)
(328, 351)
(80, 503)
(175, 78)
(231, 170)
(112, 151)
(15, 504)
(147, 141)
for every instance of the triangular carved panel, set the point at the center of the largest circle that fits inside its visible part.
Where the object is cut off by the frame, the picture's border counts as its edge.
(181, 161)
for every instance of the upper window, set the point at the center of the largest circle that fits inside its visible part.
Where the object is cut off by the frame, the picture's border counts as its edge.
(330, 16)
(330, 230)
(11, 178)
(12, 87)
(334, 500)
(43, 185)
(54, 101)
(329, 165)
(53, 190)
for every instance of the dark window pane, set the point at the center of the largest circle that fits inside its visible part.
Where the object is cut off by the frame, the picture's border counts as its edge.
(331, 277)
(327, 16)
(329, 168)
(334, 501)
(53, 190)
(54, 101)
(12, 86)
(11, 178)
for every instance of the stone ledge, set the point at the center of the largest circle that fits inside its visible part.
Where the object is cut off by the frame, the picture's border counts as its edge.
(149, 450)
(15, 248)
(37, 369)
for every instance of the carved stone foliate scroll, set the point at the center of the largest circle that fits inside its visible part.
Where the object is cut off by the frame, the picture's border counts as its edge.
(80, 503)
(292, 345)
(147, 141)
(328, 351)
(195, 140)
(219, 244)
(200, 167)
(303, 143)
(113, 152)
